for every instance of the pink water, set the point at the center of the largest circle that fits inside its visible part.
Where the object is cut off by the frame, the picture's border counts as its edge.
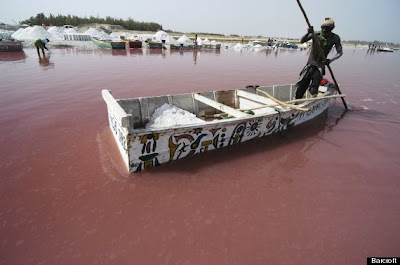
(324, 193)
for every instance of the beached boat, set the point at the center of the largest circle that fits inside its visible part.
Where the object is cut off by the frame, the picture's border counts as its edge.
(174, 46)
(135, 43)
(220, 119)
(104, 44)
(384, 49)
(10, 46)
(212, 46)
(154, 44)
(101, 43)
(290, 46)
(118, 45)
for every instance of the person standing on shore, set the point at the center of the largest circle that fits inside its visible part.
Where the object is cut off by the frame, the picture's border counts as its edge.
(41, 43)
(311, 75)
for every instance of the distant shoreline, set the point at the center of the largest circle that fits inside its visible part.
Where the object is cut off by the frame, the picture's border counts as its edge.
(216, 37)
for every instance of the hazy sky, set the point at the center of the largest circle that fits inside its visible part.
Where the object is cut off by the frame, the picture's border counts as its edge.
(355, 19)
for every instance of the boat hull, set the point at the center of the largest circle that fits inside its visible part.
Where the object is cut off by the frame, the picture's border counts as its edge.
(118, 45)
(10, 46)
(135, 44)
(102, 44)
(384, 50)
(150, 150)
(216, 46)
(155, 45)
(144, 149)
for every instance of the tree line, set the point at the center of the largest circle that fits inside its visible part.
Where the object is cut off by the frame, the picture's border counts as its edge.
(60, 20)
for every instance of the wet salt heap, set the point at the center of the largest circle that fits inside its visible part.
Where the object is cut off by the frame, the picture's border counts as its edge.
(31, 33)
(168, 115)
(161, 35)
(97, 34)
(184, 39)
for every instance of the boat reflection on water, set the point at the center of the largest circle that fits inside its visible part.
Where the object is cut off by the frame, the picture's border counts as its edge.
(134, 51)
(118, 52)
(12, 56)
(155, 51)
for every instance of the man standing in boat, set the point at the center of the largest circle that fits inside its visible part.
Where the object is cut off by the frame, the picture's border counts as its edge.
(312, 73)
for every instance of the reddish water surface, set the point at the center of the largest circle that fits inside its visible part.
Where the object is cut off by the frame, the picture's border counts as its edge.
(326, 192)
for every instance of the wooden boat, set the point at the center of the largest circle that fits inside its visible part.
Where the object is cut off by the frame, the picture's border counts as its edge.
(154, 44)
(10, 46)
(172, 46)
(254, 112)
(182, 46)
(135, 44)
(384, 49)
(101, 43)
(290, 46)
(118, 45)
(212, 46)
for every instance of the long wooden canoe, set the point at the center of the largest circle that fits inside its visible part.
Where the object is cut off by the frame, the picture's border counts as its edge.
(101, 43)
(10, 46)
(229, 117)
(135, 43)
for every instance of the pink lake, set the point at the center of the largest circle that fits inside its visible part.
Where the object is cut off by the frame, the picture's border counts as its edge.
(326, 192)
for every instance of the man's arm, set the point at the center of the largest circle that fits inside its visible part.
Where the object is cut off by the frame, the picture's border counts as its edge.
(306, 37)
(339, 50)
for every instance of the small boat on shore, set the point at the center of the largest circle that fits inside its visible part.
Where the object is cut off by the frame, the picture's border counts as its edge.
(200, 122)
(101, 43)
(384, 49)
(154, 44)
(10, 46)
(135, 43)
(118, 45)
(104, 44)
(211, 46)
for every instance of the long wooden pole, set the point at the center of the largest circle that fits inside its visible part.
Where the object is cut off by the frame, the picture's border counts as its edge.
(281, 102)
(297, 100)
(316, 42)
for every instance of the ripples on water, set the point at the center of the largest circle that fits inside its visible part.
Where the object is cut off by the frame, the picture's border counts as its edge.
(327, 190)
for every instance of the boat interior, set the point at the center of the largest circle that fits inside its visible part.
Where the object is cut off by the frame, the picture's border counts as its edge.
(237, 103)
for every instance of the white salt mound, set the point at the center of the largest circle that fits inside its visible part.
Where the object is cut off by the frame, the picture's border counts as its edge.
(32, 33)
(97, 34)
(5, 34)
(70, 31)
(184, 39)
(161, 35)
(57, 32)
(168, 115)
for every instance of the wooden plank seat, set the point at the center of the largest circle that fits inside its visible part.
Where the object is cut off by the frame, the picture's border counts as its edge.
(220, 106)
(255, 97)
